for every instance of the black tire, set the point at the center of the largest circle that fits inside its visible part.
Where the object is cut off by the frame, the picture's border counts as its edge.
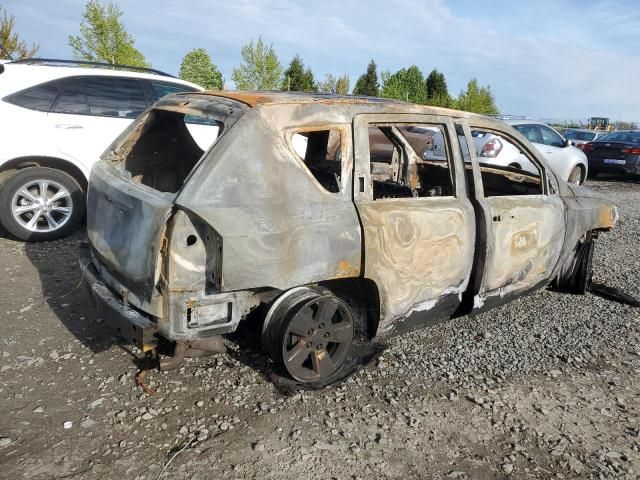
(6, 175)
(584, 266)
(593, 173)
(279, 337)
(65, 213)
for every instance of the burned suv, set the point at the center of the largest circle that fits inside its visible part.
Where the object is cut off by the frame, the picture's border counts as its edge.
(334, 220)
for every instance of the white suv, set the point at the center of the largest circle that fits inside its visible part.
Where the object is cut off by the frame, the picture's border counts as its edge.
(567, 161)
(56, 119)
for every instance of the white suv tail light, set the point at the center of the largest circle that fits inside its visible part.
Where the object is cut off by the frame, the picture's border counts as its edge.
(492, 148)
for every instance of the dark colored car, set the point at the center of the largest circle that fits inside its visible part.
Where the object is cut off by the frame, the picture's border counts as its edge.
(616, 152)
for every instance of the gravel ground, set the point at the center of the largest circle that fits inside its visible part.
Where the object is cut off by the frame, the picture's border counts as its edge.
(544, 387)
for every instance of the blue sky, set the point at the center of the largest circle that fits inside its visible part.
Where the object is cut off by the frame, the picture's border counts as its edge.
(545, 58)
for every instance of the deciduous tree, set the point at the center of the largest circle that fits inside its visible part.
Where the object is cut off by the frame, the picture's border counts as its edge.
(343, 85)
(103, 37)
(260, 68)
(198, 68)
(477, 99)
(406, 84)
(11, 47)
(331, 84)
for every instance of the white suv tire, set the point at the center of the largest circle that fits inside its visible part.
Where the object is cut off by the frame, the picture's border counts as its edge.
(41, 204)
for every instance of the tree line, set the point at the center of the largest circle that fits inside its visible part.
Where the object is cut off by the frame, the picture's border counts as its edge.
(104, 38)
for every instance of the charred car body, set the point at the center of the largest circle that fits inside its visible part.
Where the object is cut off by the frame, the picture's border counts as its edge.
(328, 213)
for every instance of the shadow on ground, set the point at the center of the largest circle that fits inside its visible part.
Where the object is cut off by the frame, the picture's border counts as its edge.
(59, 274)
(609, 178)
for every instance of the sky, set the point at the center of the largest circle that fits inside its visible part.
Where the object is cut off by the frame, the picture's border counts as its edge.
(552, 59)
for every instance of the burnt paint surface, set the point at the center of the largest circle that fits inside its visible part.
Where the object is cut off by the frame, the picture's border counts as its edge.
(417, 250)
(271, 225)
(526, 237)
(279, 227)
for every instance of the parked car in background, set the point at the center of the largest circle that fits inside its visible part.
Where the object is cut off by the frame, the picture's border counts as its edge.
(58, 117)
(615, 152)
(567, 161)
(330, 221)
(580, 136)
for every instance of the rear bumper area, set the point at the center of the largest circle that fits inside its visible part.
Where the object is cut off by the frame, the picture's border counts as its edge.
(631, 167)
(130, 324)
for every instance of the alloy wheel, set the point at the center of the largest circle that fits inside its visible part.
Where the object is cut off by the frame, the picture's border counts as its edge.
(42, 205)
(317, 338)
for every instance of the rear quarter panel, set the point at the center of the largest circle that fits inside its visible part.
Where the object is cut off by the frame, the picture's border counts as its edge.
(279, 228)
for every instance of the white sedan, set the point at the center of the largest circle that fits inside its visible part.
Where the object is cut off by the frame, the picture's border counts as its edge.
(567, 161)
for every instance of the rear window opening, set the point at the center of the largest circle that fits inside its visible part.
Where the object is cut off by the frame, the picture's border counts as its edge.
(168, 148)
(163, 146)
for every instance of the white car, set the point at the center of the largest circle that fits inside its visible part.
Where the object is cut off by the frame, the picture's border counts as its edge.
(567, 161)
(57, 117)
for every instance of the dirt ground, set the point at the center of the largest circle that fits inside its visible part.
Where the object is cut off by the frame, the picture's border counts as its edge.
(545, 387)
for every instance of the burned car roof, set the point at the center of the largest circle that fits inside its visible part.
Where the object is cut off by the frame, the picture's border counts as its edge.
(257, 98)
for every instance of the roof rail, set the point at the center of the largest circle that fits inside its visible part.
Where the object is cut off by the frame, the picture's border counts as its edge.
(53, 62)
(511, 117)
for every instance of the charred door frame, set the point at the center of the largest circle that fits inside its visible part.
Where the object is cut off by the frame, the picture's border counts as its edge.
(419, 251)
(483, 298)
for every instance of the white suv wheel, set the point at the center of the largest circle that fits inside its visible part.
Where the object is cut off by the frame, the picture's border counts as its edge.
(42, 205)
(39, 203)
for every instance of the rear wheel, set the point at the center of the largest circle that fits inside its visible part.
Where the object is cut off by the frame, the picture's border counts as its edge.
(310, 333)
(575, 176)
(39, 203)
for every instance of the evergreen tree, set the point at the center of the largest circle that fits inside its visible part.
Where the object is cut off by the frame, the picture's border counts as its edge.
(103, 37)
(260, 68)
(436, 90)
(297, 79)
(367, 84)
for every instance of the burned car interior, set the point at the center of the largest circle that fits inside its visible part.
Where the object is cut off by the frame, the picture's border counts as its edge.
(165, 153)
(403, 163)
(334, 220)
(321, 152)
(169, 143)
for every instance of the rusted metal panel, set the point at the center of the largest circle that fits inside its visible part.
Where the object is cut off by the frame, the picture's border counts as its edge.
(417, 250)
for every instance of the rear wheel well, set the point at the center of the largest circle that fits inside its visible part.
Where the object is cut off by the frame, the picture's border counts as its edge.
(515, 165)
(50, 162)
(365, 292)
